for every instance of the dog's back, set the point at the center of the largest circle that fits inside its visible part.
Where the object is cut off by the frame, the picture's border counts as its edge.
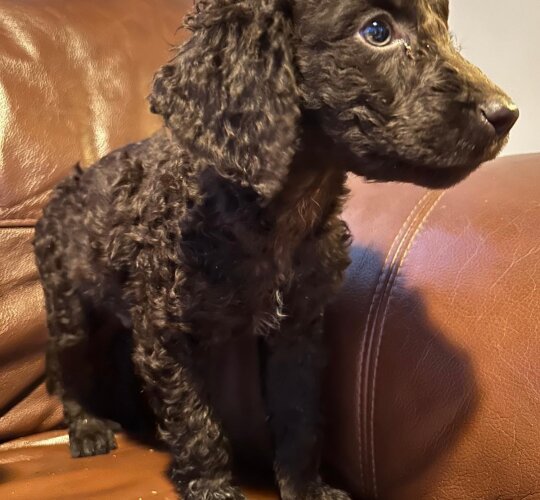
(83, 258)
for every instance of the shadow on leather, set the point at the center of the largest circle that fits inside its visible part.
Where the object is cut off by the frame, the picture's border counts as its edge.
(399, 394)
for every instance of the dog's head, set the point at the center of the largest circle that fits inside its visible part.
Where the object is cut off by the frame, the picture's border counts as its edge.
(381, 78)
(386, 79)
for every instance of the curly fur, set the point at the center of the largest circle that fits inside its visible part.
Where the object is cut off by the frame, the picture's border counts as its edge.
(227, 221)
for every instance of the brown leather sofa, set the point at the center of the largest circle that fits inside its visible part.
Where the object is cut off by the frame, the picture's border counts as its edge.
(433, 388)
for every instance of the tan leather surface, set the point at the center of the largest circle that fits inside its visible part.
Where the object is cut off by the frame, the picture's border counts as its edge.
(433, 389)
(73, 80)
(41, 468)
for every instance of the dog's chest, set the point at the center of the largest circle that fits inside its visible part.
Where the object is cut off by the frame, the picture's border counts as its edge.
(244, 262)
(239, 273)
(238, 287)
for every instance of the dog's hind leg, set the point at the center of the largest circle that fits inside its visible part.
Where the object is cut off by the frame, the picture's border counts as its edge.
(70, 375)
(167, 362)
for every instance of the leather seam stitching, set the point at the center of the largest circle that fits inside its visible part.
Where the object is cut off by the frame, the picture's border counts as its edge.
(400, 257)
(361, 423)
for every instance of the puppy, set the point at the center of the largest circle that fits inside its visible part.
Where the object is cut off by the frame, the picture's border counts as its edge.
(227, 221)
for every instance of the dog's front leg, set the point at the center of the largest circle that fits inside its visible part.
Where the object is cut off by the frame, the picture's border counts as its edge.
(294, 362)
(200, 468)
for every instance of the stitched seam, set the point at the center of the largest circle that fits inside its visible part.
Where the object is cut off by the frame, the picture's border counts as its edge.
(361, 423)
(409, 239)
(362, 393)
(403, 236)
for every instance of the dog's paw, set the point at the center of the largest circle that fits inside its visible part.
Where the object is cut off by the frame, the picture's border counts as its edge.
(90, 436)
(203, 489)
(325, 492)
(315, 491)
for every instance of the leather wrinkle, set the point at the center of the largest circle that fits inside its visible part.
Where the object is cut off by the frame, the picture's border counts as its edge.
(28, 389)
(22, 224)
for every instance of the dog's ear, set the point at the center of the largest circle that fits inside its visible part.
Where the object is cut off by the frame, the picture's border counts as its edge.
(230, 94)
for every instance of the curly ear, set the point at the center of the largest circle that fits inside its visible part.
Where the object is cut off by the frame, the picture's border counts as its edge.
(230, 94)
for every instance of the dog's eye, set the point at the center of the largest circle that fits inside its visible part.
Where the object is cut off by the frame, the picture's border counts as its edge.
(377, 32)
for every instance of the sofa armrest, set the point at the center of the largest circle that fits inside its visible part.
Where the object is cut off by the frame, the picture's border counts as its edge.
(434, 380)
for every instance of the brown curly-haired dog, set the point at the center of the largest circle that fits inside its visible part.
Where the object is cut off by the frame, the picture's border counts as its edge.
(227, 221)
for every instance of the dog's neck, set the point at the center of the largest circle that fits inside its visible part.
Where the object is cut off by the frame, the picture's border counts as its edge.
(311, 193)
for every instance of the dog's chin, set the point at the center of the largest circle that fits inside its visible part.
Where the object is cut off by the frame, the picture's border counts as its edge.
(435, 176)
(425, 176)
(443, 171)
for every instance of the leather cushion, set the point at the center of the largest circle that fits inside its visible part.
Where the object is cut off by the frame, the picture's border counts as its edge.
(41, 467)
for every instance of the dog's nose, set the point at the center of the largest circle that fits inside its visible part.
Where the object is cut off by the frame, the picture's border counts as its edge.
(500, 115)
